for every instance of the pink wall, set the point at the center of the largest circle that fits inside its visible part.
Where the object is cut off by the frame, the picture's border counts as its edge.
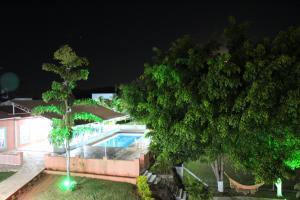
(38, 127)
(113, 170)
(11, 159)
(124, 168)
(10, 136)
(144, 162)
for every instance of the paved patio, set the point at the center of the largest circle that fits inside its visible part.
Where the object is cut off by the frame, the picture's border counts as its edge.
(9, 168)
(40, 146)
(32, 166)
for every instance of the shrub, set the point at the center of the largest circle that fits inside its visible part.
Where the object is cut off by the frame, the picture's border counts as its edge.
(162, 166)
(143, 188)
(198, 191)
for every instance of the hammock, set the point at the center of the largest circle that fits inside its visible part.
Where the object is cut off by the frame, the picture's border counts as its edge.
(245, 189)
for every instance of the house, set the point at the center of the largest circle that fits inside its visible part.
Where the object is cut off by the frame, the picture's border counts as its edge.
(19, 128)
(105, 96)
(24, 137)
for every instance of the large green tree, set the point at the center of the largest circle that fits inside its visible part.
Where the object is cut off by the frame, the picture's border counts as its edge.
(243, 103)
(185, 97)
(268, 104)
(60, 101)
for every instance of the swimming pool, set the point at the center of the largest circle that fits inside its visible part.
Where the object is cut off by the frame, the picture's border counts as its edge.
(119, 140)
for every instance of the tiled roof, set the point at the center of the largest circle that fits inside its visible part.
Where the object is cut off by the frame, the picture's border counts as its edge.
(99, 111)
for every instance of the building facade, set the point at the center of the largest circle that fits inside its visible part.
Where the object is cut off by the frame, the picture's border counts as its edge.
(19, 128)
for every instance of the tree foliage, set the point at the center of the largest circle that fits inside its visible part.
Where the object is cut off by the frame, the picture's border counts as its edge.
(244, 103)
(269, 105)
(71, 69)
(198, 191)
(115, 104)
(182, 101)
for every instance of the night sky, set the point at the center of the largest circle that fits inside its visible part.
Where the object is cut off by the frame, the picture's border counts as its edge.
(118, 38)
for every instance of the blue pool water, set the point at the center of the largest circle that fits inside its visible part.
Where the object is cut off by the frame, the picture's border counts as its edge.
(121, 140)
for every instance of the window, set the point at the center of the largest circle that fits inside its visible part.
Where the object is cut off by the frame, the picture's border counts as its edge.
(3, 138)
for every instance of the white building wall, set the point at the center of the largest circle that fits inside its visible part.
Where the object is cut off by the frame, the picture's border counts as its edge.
(95, 96)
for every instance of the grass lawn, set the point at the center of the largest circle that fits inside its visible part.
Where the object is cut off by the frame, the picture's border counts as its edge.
(48, 188)
(5, 175)
(204, 171)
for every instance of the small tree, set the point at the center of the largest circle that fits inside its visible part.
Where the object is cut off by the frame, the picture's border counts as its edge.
(71, 69)
(115, 103)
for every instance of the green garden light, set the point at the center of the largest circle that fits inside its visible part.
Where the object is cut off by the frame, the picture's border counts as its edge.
(68, 184)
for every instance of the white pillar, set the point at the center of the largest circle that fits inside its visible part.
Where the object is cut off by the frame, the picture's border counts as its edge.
(179, 170)
(278, 184)
(220, 186)
(13, 105)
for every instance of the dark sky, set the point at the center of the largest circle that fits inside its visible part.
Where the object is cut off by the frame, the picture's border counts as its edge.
(118, 38)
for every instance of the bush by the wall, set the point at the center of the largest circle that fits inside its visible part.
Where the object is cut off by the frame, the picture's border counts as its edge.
(160, 167)
(143, 188)
(197, 191)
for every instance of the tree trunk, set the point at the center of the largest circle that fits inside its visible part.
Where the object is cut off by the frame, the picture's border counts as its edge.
(67, 146)
(278, 184)
(218, 169)
(67, 140)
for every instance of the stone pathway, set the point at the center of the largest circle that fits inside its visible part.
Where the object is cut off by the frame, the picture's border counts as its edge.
(33, 164)
(9, 168)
